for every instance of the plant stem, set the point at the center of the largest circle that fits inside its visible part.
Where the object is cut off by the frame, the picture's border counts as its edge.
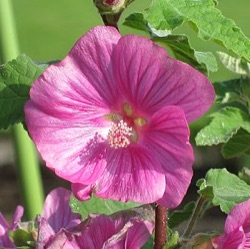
(111, 20)
(194, 217)
(160, 227)
(27, 162)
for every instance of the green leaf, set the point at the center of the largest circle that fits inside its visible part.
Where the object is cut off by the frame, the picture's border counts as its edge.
(207, 20)
(228, 91)
(173, 239)
(182, 50)
(98, 205)
(149, 244)
(236, 65)
(162, 16)
(16, 78)
(238, 145)
(208, 59)
(228, 189)
(179, 216)
(244, 175)
(21, 237)
(226, 122)
(136, 20)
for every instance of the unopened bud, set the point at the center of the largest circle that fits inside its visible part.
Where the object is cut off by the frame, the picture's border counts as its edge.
(111, 6)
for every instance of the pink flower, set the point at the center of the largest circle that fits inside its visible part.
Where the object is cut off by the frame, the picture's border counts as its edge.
(56, 219)
(112, 118)
(237, 229)
(5, 228)
(101, 231)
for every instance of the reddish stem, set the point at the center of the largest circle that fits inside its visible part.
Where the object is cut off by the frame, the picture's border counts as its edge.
(160, 227)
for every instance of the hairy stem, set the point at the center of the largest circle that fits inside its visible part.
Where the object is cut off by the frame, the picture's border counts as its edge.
(194, 217)
(27, 162)
(160, 227)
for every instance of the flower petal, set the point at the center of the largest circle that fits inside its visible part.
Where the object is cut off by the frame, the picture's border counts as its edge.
(238, 216)
(168, 138)
(149, 79)
(82, 192)
(96, 232)
(64, 144)
(81, 80)
(17, 217)
(4, 237)
(139, 234)
(131, 174)
(57, 212)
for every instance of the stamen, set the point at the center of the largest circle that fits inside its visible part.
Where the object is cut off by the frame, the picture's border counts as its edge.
(118, 135)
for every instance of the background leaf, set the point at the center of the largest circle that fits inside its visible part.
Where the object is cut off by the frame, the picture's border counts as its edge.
(203, 16)
(226, 122)
(16, 78)
(182, 50)
(238, 145)
(228, 189)
(178, 216)
(236, 65)
(98, 205)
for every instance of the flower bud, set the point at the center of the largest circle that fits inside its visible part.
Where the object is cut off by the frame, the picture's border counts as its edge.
(111, 6)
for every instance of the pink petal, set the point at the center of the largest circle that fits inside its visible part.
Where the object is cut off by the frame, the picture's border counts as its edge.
(133, 174)
(82, 192)
(45, 232)
(83, 79)
(96, 232)
(138, 235)
(168, 138)
(232, 240)
(17, 217)
(57, 212)
(65, 144)
(238, 216)
(4, 237)
(63, 240)
(149, 79)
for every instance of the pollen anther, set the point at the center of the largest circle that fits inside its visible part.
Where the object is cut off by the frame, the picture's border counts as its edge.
(118, 135)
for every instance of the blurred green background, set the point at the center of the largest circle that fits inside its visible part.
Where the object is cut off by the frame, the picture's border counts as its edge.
(48, 29)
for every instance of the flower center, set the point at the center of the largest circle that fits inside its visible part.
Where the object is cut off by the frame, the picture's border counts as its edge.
(118, 135)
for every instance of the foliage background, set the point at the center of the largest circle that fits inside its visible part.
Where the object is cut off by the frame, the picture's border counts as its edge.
(48, 29)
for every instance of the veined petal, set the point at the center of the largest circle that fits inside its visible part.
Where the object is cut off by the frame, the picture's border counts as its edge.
(131, 173)
(83, 79)
(168, 137)
(57, 212)
(45, 232)
(65, 144)
(150, 79)
(238, 216)
(96, 232)
(138, 234)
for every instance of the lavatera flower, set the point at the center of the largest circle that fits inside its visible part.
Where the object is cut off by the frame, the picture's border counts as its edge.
(112, 118)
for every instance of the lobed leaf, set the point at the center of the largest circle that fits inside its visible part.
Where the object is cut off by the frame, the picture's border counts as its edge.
(16, 78)
(227, 189)
(183, 51)
(225, 124)
(208, 21)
